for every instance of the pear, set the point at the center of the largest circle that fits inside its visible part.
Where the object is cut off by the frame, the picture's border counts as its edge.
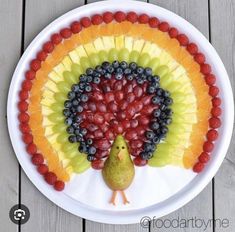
(118, 171)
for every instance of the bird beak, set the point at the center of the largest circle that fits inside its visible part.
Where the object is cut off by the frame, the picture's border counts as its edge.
(120, 155)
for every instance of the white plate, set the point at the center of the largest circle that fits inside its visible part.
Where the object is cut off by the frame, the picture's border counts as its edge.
(167, 194)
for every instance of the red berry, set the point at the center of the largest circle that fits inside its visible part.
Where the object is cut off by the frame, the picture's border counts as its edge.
(147, 110)
(210, 79)
(143, 120)
(31, 148)
(213, 91)
(96, 19)
(192, 48)
(66, 33)
(212, 135)
(98, 119)
(143, 18)
(101, 154)
(132, 17)
(59, 185)
(130, 112)
(98, 134)
(75, 27)
(23, 95)
(113, 107)
(208, 146)
(153, 22)
(35, 65)
(50, 178)
(199, 58)
(126, 124)
(173, 32)
(134, 123)
(56, 38)
(23, 106)
(97, 164)
(130, 97)
(214, 122)
(24, 128)
(27, 138)
(97, 96)
(103, 144)
(26, 85)
(101, 107)
(86, 22)
(205, 68)
(108, 17)
(216, 111)
(216, 101)
(123, 104)
(119, 95)
(30, 75)
(119, 16)
(23, 117)
(42, 56)
(118, 129)
(140, 162)
(140, 130)
(37, 159)
(42, 169)
(164, 26)
(109, 97)
(204, 157)
(146, 100)
(108, 117)
(48, 47)
(138, 91)
(198, 167)
(121, 115)
(183, 39)
(109, 135)
(130, 135)
(136, 143)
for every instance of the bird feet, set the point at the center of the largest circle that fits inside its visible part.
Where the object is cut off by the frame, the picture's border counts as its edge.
(124, 198)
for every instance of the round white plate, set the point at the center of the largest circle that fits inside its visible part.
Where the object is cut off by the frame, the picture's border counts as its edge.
(155, 191)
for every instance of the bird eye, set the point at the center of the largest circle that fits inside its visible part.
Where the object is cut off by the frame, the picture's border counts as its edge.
(117, 147)
(123, 147)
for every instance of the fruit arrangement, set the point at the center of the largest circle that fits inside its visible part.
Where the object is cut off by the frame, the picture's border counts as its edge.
(116, 90)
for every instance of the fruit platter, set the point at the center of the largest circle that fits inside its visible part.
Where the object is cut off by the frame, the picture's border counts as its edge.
(115, 110)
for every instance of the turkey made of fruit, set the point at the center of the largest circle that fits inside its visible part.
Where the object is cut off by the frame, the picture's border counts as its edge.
(115, 91)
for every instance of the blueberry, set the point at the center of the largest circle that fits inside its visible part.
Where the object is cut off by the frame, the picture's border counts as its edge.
(105, 65)
(140, 81)
(89, 71)
(96, 74)
(133, 66)
(159, 91)
(106, 88)
(83, 131)
(156, 140)
(148, 71)
(155, 79)
(156, 113)
(78, 118)
(89, 79)
(76, 125)
(79, 109)
(82, 86)
(123, 65)
(149, 135)
(163, 115)
(66, 112)
(67, 104)
(168, 121)
(99, 69)
(80, 138)
(75, 88)
(90, 158)
(140, 70)
(127, 71)
(89, 141)
(149, 155)
(168, 112)
(96, 80)
(168, 101)
(70, 130)
(83, 78)
(155, 100)
(150, 89)
(164, 130)
(163, 107)
(82, 148)
(72, 139)
(68, 121)
(91, 150)
(154, 125)
(88, 88)
(77, 131)
(118, 76)
(115, 64)
(146, 155)
(75, 102)
(84, 98)
(130, 77)
(166, 93)
(108, 75)
(71, 95)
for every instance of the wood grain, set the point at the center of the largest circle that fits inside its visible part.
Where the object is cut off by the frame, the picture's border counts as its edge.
(222, 37)
(10, 48)
(45, 216)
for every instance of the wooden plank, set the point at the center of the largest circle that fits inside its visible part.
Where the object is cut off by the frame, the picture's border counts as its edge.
(44, 214)
(196, 12)
(10, 48)
(222, 37)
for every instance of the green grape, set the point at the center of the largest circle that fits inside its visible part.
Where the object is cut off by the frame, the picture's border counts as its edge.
(57, 107)
(62, 138)
(113, 55)
(175, 128)
(78, 159)
(173, 87)
(60, 97)
(94, 60)
(70, 77)
(68, 147)
(82, 167)
(71, 154)
(103, 56)
(159, 162)
(178, 107)
(76, 70)
(64, 86)
(166, 80)
(143, 60)
(124, 55)
(134, 55)
(59, 128)
(178, 97)
(84, 61)
(154, 63)
(162, 70)
(56, 117)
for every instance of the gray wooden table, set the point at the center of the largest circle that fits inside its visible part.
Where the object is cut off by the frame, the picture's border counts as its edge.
(20, 22)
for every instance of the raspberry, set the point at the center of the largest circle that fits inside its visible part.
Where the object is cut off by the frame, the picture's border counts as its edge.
(212, 135)
(42, 169)
(210, 79)
(24, 128)
(23, 106)
(214, 122)
(153, 22)
(119, 16)
(30, 75)
(26, 85)
(204, 157)
(23, 117)
(183, 39)
(199, 58)
(216, 101)
(164, 26)
(108, 17)
(192, 48)
(27, 138)
(50, 178)
(37, 159)
(96, 19)
(31, 148)
(205, 68)
(35, 65)
(75, 27)
(97, 164)
(213, 91)
(198, 167)
(42, 56)
(48, 47)
(143, 18)
(59, 185)
(140, 162)
(23, 94)
(66, 33)
(208, 146)
(86, 22)
(132, 17)
(56, 38)
(173, 32)
(216, 111)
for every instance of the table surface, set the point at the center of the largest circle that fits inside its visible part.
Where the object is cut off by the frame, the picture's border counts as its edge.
(20, 22)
